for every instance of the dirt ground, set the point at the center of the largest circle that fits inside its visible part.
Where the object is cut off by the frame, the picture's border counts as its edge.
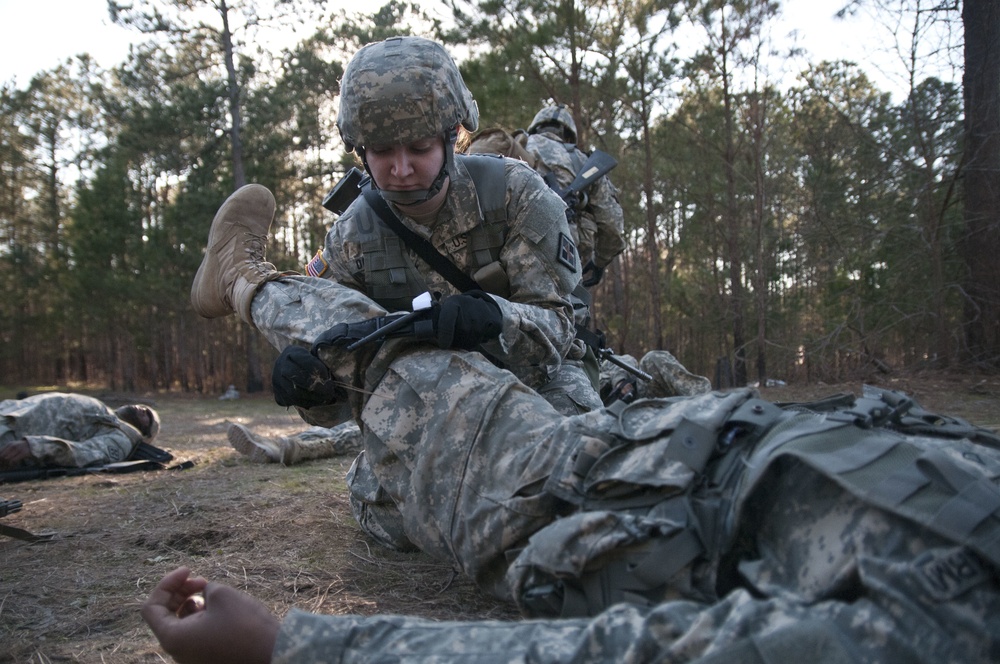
(283, 534)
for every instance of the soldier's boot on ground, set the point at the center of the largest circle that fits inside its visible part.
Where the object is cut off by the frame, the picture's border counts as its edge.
(258, 448)
(670, 377)
(297, 449)
(234, 266)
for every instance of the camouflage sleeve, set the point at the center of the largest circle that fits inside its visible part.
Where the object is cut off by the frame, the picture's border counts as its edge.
(542, 266)
(307, 637)
(609, 240)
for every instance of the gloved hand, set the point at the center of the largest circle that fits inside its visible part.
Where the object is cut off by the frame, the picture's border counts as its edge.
(592, 274)
(300, 379)
(466, 320)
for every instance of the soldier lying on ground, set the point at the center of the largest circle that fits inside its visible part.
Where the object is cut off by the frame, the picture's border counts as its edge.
(717, 527)
(808, 535)
(65, 430)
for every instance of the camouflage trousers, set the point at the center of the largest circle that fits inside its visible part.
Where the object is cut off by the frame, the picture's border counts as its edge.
(111, 446)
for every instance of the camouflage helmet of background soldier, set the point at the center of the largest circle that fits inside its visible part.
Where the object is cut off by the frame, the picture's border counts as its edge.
(401, 90)
(555, 117)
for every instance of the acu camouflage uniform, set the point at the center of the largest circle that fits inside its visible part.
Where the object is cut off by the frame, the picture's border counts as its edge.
(600, 224)
(67, 430)
(734, 530)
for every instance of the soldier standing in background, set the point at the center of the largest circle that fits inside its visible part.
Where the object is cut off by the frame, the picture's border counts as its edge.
(599, 226)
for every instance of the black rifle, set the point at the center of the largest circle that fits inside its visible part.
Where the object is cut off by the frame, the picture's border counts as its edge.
(609, 355)
(345, 191)
(9, 507)
(598, 165)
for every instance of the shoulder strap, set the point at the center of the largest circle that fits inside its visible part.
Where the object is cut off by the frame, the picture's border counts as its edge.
(424, 249)
(487, 172)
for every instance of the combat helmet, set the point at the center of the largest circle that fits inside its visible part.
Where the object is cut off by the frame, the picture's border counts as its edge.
(557, 117)
(402, 90)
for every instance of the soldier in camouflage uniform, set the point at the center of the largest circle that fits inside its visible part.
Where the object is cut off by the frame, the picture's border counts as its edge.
(66, 430)
(599, 221)
(402, 102)
(819, 534)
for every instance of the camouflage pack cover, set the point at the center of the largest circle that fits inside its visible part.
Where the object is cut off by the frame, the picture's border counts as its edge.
(402, 90)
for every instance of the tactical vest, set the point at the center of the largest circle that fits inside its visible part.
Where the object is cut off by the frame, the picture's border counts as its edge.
(664, 490)
(390, 276)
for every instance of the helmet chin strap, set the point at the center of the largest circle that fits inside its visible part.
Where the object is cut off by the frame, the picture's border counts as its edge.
(415, 196)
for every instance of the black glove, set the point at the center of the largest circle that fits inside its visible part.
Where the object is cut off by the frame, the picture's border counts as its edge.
(300, 379)
(592, 274)
(464, 321)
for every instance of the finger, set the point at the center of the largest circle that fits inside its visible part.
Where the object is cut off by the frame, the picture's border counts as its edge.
(164, 600)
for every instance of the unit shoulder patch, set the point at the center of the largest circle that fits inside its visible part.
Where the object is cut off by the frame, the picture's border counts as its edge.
(566, 253)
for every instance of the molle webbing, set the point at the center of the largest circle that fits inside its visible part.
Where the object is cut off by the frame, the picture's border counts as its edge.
(882, 449)
(391, 278)
(909, 476)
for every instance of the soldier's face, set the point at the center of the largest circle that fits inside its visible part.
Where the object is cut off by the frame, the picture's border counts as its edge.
(406, 167)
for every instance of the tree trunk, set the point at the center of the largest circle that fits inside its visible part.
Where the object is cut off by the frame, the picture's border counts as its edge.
(981, 242)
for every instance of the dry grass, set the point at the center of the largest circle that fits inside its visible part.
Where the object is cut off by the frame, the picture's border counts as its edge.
(283, 534)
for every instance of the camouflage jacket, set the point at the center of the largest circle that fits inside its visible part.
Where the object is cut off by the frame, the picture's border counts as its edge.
(541, 268)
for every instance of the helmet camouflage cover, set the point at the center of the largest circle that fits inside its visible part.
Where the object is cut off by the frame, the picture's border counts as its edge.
(555, 115)
(402, 90)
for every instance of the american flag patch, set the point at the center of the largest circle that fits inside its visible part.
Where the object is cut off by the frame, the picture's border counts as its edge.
(567, 252)
(317, 266)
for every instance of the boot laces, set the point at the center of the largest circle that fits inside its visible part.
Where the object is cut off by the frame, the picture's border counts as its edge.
(255, 250)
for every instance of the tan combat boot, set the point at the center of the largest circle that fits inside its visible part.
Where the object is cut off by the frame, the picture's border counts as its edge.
(234, 266)
(258, 448)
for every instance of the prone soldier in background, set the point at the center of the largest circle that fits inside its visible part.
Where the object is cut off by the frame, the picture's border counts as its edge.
(65, 430)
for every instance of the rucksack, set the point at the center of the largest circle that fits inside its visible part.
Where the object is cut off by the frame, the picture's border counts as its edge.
(499, 141)
(664, 490)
